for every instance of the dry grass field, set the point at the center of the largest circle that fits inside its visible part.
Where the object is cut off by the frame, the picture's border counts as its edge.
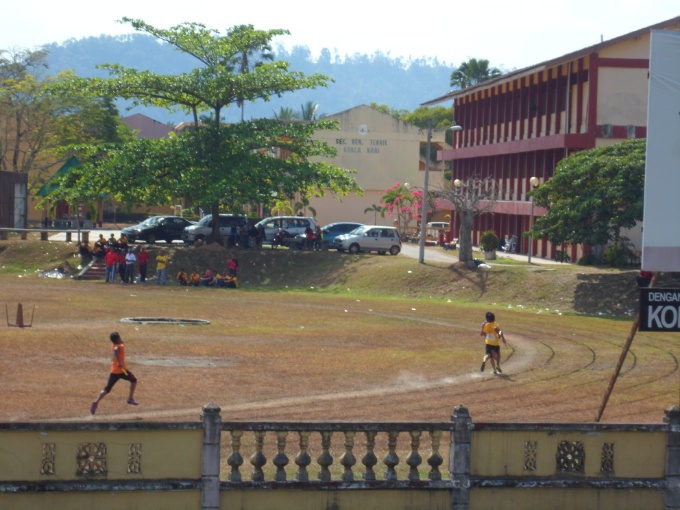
(329, 337)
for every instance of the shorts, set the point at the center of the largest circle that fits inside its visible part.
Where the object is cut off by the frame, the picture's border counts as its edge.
(113, 379)
(493, 348)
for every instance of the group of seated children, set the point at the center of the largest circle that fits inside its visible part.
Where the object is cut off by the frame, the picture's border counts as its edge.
(207, 279)
(102, 245)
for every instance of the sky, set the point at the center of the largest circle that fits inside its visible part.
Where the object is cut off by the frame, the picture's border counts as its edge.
(510, 34)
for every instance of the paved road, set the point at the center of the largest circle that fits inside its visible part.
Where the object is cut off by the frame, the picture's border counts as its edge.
(436, 254)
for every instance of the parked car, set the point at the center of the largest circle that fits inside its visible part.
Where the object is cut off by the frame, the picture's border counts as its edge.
(203, 228)
(370, 238)
(293, 225)
(157, 228)
(329, 233)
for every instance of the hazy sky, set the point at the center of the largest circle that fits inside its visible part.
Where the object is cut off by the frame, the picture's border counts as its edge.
(511, 34)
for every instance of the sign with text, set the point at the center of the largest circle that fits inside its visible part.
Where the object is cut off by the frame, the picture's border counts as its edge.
(661, 244)
(659, 309)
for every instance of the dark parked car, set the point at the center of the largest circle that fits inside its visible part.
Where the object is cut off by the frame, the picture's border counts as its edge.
(157, 228)
(330, 232)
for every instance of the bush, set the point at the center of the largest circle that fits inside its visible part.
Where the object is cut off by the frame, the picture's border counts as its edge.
(619, 254)
(488, 241)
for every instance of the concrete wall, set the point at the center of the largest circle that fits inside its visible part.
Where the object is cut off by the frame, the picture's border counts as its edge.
(372, 466)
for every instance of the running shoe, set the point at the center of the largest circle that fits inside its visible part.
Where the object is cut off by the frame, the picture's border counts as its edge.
(132, 402)
(483, 366)
(495, 370)
(93, 408)
(499, 370)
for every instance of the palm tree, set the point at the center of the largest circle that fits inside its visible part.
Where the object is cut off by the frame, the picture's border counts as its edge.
(282, 207)
(473, 72)
(308, 110)
(301, 206)
(286, 113)
(375, 209)
(253, 55)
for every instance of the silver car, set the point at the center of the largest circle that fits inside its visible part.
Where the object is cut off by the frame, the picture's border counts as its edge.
(370, 238)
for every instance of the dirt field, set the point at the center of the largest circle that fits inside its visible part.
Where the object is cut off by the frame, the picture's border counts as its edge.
(326, 355)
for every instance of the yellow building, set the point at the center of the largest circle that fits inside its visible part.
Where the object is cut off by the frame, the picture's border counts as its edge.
(384, 151)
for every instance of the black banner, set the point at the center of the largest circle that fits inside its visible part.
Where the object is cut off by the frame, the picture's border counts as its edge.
(659, 309)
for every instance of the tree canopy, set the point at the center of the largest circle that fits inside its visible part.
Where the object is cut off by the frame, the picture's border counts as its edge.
(593, 195)
(471, 197)
(35, 123)
(222, 166)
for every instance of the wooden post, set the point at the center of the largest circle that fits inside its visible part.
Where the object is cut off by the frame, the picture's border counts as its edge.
(210, 462)
(20, 315)
(622, 357)
(459, 458)
(672, 493)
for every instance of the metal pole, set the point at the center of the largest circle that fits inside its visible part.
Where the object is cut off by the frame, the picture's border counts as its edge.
(531, 235)
(423, 215)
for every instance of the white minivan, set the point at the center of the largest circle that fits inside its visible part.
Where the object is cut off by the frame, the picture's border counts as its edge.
(293, 225)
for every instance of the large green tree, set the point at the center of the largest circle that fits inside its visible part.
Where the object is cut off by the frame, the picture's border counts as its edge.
(472, 72)
(222, 166)
(34, 123)
(593, 195)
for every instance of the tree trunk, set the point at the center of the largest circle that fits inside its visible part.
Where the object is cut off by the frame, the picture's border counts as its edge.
(215, 236)
(465, 239)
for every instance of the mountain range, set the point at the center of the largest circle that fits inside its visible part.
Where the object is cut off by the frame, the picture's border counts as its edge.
(358, 79)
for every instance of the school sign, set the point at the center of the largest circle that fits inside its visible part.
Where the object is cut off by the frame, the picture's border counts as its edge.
(659, 309)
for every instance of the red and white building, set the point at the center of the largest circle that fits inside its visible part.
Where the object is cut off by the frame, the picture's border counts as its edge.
(521, 124)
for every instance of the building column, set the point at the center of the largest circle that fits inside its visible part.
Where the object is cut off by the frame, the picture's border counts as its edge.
(672, 493)
(459, 458)
(210, 459)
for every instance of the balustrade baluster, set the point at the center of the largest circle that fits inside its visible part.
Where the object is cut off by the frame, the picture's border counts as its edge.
(280, 460)
(414, 459)
(369, 459)
(325, 459)
(435, 460)
(302, 459)
(258, 459)
(235, 459)
(348, 459)
(391, 459)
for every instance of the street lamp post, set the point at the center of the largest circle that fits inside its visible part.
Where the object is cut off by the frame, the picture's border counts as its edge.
(423, 215)
(534, 184)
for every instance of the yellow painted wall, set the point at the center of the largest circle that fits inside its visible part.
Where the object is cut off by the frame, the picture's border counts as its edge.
(382, 149)
(345, 500)
(147, 500)
(622, 96)
(165, 454)
(565, 499)
(501, 453)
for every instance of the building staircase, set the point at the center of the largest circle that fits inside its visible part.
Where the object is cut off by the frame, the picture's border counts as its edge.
(95, 270)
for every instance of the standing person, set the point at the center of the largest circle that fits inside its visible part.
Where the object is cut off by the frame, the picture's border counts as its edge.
(121, 264)
(130, 259)
(161, 268)
(491, 331)
(260, 236)
(143, 260)
(111, 259)
(118, 371)
(233, 266)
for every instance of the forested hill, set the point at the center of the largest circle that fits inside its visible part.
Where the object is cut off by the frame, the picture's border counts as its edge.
(359, 79)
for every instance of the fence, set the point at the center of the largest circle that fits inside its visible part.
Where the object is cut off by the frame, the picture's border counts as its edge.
(456, 464)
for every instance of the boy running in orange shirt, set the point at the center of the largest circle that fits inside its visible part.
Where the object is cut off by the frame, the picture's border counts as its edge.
(118, 371)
